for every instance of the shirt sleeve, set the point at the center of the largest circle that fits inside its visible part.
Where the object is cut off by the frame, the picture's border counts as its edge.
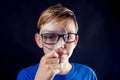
(27, 73)
(22, 76)
(92, 75)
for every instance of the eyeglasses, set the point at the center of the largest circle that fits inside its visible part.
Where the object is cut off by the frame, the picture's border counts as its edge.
(53, 38)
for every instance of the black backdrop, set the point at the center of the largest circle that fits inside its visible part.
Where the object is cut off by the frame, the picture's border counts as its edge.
(98, 29)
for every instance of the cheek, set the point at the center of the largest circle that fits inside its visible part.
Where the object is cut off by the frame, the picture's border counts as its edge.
(45, 50)
(70, 47)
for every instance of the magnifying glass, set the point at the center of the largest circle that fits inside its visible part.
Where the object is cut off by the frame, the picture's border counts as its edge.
(53, 38)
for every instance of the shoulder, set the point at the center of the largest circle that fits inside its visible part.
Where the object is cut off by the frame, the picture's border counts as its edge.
(81, 67)
(28, 72)
(84, 70)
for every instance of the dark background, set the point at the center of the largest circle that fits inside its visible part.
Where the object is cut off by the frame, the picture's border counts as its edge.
(99, 32)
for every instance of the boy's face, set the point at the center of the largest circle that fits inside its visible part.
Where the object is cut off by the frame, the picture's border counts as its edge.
(62, 47)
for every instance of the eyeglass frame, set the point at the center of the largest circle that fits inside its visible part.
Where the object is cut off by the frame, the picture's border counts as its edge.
(59, 36)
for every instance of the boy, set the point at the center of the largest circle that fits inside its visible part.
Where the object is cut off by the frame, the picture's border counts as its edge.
(57, 37)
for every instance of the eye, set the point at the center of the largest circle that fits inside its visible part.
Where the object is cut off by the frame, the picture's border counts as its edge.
(50, 37)
(69, 37)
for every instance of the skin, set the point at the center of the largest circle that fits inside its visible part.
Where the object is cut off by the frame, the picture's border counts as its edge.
(55, 61)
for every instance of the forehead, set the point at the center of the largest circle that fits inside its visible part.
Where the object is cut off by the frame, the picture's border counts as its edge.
(59, 27)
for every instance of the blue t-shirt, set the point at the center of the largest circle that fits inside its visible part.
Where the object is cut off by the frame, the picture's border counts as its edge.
(78, 72)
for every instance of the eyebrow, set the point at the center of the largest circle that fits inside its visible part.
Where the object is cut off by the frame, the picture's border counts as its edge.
(49, 31)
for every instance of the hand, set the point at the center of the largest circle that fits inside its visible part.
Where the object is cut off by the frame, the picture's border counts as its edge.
(49, 66)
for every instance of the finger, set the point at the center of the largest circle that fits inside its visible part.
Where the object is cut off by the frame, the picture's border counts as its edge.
(53, 61)
(55, 66)
(50, 58)
(55, 69)
(51, 54)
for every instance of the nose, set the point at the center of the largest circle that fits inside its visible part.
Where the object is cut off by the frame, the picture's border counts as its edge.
(60, 43)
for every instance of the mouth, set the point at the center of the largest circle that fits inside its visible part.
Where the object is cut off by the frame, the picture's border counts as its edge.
(60, 54)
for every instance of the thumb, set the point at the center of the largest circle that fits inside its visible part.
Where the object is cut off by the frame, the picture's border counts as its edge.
(63, 60)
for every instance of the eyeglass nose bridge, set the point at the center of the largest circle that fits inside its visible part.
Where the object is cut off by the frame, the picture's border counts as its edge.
(63, 37)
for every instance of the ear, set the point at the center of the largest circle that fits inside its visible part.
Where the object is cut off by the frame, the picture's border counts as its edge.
(38, 40)
(76, 40)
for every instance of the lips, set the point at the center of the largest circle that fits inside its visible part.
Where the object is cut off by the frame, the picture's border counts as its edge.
(60, 54)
